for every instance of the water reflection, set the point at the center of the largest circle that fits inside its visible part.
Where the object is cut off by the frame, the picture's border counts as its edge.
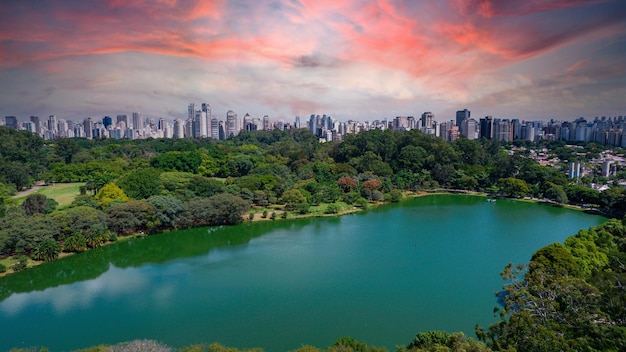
(113, 283)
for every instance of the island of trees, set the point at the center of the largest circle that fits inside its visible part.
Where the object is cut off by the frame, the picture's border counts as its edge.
(570, 297)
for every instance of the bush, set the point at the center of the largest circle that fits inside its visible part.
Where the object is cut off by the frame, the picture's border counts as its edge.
(21, 261)
(3, 268)
(362, 203)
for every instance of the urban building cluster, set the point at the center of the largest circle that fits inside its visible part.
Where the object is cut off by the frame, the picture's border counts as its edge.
(200, 123)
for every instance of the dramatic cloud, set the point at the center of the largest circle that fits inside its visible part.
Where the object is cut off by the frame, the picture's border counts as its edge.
(351, 59)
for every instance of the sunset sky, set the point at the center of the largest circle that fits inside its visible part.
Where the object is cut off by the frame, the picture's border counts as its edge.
(363, 60)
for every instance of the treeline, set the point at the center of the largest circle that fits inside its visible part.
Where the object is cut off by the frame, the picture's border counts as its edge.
(146, 186)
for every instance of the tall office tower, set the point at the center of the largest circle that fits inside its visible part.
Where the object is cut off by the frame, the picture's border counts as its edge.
(88, 128)
(107, 121)
(428, 119)
(296, 124)
(486, 127)
(248, 123)
(36, 124)
(460, 116)
(401, 123)
(314, 121)
(29, 126)
(516, 128)
(199, 124)
(232, 124)
(121, 118)
(222, 133)
(179, 128)
(266, 123)
(137, 121)
(161, 124)
(189, 128)
(206, 108)
(470, 128)
(502, 130)
(191, 111)
(62, 127)
(411, 122)
(10, 122)
(52, 123)
(444, 130)
(215, 128)
(79, 132)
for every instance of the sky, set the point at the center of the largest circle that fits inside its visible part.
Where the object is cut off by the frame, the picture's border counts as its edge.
(351, 59)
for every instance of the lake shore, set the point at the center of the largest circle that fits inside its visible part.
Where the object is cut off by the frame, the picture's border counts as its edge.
(318, 212)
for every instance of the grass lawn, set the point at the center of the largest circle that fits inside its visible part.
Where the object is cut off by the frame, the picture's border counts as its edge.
(63, 193)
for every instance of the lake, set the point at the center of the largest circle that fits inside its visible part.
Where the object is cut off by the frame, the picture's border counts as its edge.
(430, 263)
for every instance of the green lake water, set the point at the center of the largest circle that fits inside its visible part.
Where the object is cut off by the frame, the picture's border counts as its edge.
(381, 277)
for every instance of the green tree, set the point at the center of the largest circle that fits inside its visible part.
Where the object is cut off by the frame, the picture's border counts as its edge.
(133, 216)
(292, 198)
(556, 193)
(167, 210)
(37, 203)
(141, 183)
(65, 148)
(513, 187)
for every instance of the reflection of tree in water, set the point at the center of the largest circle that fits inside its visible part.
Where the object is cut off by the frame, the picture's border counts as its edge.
(137, 252)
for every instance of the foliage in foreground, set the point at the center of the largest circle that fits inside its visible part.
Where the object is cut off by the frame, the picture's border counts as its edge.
(432, 341)
(570, 297)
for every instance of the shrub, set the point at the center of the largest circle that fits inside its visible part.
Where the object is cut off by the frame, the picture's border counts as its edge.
(21, 261)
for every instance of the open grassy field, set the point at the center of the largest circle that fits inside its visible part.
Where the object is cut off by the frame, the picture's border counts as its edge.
(63, 193)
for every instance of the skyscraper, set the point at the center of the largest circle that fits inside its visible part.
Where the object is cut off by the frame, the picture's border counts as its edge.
(191, 111)
(232, 125)
(137, 121)
(460, 116)
(215, 128)
(486, 127)
(11, 122)
(37, 124)
(427, 119)
(52, 123)
(179, 128)
(107, 121)
(469, 128)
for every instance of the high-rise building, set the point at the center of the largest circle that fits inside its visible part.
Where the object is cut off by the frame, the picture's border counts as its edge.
(206, 108)
(232, 124)
(137, 121)
(10, 122)
(179, 128)
(88, 128)
(469, 126)
(36, 124)
(486, 127)
(107, 121)
(462, 115)
(295, 125)
(121, 118)
(199, 123)
(268, 126)
(502, 130)
(215, 128)
(191, 111)
(52, 123)
(427, 119)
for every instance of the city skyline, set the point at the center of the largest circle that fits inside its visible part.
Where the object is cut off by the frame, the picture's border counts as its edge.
(358, 60)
